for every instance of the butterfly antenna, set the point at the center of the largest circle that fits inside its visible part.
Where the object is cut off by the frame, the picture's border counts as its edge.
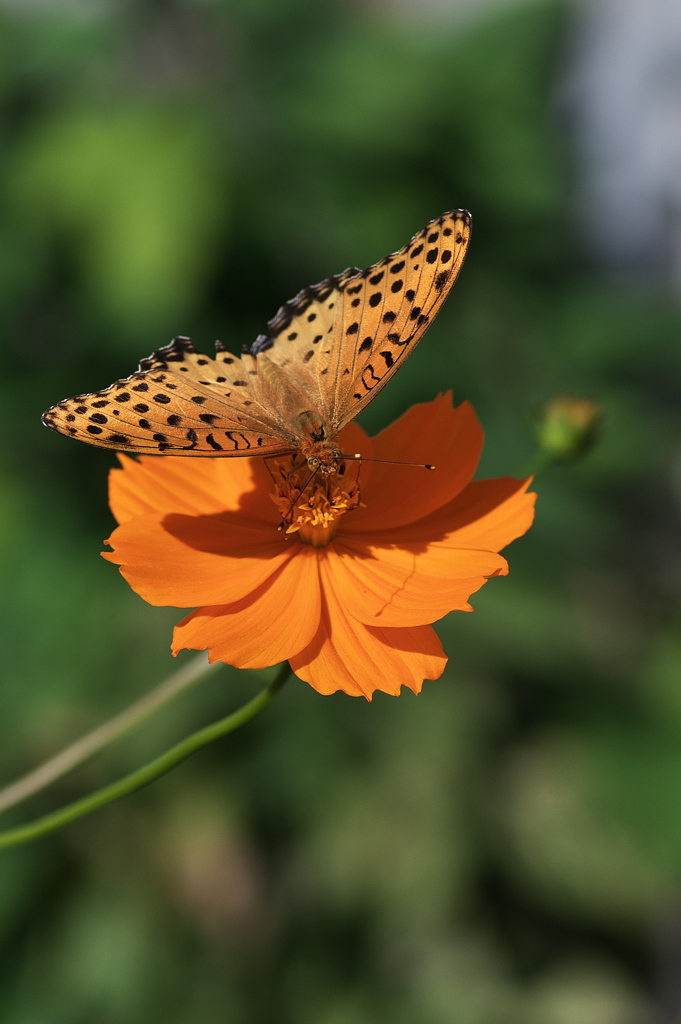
(389, 462)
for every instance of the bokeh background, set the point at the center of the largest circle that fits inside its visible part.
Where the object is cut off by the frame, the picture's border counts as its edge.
(506, 847)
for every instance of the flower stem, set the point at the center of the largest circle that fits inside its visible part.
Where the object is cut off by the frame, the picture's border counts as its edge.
(154, 770)
(73, 755)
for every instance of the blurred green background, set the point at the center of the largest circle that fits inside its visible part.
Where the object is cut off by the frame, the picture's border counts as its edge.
(504, 848)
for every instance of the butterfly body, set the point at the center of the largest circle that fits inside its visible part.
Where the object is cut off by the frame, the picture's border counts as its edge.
(329, 351)
(317, 448)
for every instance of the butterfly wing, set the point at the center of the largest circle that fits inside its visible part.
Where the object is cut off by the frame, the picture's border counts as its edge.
(400, 297)
(344, 338)
(179, 403)
(302, 341)
(330, 350)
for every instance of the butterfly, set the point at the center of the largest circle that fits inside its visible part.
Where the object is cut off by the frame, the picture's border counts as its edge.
(327, 354)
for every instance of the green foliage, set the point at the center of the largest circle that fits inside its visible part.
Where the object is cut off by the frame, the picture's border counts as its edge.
(503, 848)
(135, 191)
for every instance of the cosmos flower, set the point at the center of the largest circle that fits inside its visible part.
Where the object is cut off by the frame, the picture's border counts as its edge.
(347, 589)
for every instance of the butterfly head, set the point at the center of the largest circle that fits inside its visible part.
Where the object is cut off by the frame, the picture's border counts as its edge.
(317, 445)
(325, 461)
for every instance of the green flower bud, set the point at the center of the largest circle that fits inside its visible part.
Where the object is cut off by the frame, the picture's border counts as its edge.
(568, 428)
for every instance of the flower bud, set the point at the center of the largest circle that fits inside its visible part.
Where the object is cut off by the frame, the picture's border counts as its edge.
(568, 428)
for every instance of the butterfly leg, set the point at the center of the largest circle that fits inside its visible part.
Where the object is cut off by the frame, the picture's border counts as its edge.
(287, 518)
(269, 470)
(341, 472)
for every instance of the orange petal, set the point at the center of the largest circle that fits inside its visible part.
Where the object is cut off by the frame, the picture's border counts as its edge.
(488, 514)
(270, 625)
(193, 486)
(346, 655)
(353, 440)
(433, 432)
(196, 560)
(401, 588)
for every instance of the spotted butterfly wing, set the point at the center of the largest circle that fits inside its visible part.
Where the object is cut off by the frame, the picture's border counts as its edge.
(180, 402)
(329, 350)
(348, 335)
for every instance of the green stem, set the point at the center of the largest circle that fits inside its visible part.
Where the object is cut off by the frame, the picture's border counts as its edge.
(69, 758)
(143, 776)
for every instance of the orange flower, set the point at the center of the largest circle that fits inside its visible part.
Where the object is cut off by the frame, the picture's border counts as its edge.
(346, 593)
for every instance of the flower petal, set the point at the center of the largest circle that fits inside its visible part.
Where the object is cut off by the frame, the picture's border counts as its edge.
(432, 432)
(488, 514)
(270, 625)
(196, 560)
(401, 588)
(193, 486)
(353, 440)
(347, 655)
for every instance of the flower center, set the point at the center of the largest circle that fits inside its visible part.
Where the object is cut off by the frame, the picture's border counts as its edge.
(311, 505)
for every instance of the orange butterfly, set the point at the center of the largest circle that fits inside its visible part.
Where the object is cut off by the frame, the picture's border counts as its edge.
(328, 353)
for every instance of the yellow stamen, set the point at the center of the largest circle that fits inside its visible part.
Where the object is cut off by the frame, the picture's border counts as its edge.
(312, 509)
